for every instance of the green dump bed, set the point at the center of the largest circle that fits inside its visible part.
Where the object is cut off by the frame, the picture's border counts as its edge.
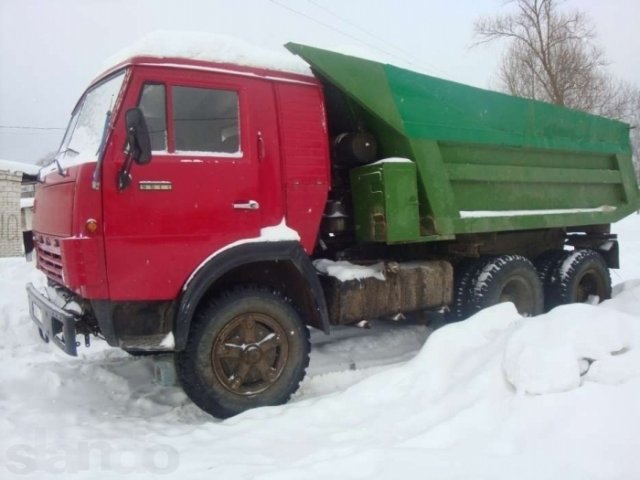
(481, 161)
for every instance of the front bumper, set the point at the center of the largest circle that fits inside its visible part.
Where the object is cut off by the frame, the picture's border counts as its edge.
(54, 324)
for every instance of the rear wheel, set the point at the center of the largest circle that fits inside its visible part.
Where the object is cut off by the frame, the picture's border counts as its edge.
(248, 348)
(546, 263)
(547, 266)
(465, 271)
(582, 276)
(508, 278)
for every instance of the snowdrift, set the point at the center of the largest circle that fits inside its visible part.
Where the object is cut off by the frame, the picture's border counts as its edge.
(497, 396)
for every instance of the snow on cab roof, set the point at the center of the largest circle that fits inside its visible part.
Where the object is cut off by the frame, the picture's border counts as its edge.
(210, 48)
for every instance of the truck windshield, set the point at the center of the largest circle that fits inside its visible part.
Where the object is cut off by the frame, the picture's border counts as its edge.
(85, 133)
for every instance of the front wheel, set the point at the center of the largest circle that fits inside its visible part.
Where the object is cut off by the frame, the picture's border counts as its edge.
(248, 348)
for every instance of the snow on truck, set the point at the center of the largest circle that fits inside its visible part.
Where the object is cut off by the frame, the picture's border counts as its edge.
(217, 210)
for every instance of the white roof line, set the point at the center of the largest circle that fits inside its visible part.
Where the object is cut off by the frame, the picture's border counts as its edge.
(225, 70)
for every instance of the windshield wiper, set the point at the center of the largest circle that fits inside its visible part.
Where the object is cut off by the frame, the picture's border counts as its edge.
(65, 151)
(57, 161)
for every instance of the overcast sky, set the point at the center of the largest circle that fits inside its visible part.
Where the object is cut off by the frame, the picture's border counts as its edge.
(50, 50)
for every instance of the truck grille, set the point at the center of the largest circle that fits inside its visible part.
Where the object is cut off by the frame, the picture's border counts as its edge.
(49, 257)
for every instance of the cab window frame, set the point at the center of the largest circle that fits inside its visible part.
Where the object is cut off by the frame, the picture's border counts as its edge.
(167, 122)
(214, 87)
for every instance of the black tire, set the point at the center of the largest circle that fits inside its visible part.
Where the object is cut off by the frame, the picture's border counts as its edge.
(508, 278)
(547, 266)
(580, 275)
(546, 263)
(248, 348)
(462, 306)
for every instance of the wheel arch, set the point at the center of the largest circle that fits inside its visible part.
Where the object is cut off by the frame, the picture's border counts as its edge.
(280, 265)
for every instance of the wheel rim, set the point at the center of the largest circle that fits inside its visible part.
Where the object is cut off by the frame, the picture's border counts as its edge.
(589, 285)
(518, 292)
(250, 353)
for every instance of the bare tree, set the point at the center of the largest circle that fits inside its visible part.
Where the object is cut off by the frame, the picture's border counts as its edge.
(552, 56)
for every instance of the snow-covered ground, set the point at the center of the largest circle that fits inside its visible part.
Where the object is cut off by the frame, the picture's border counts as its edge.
(494, 397)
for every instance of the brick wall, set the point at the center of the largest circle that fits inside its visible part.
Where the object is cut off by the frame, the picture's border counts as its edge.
(10, 224)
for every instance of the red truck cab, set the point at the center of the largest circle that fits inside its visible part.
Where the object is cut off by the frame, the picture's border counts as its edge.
(234, 188)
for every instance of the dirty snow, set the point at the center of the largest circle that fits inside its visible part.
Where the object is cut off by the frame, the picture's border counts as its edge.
(345, 271)
(497, 396)
(278, 233)
(209, 47)
(392, 160)
(168, 342)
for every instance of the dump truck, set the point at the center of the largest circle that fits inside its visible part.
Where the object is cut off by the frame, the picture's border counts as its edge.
(219, 211)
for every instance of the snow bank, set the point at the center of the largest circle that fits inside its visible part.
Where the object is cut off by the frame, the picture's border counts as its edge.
(628, 231)
(14, 329)
(451, 412)
(551, 353)
(497, 396)
(209, 47)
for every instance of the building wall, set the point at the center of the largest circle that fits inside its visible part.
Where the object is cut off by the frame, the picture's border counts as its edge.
(10, 221)
(27, 219)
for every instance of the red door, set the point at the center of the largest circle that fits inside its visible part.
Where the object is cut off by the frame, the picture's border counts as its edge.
(213, 136)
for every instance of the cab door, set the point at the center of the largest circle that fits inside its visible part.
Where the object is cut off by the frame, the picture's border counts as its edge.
(200, 192)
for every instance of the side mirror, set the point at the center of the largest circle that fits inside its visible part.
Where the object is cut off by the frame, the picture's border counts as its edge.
(138, 144)
(138, 136)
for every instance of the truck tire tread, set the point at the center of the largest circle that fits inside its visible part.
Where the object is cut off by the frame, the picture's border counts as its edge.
(507, 276)
(577, 276)
(193, 365)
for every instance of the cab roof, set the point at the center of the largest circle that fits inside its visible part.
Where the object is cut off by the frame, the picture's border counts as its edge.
(197, 50)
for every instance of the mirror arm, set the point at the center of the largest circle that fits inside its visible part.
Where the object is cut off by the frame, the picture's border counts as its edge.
(138, 146)
(124, 175)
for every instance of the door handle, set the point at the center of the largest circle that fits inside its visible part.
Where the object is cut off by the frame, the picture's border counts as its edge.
(250, 205)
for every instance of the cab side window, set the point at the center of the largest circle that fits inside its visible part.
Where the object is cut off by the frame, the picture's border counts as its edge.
(153, 106)
(205, 120)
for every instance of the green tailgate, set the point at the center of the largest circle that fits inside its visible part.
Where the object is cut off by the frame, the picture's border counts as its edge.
(485, 161)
